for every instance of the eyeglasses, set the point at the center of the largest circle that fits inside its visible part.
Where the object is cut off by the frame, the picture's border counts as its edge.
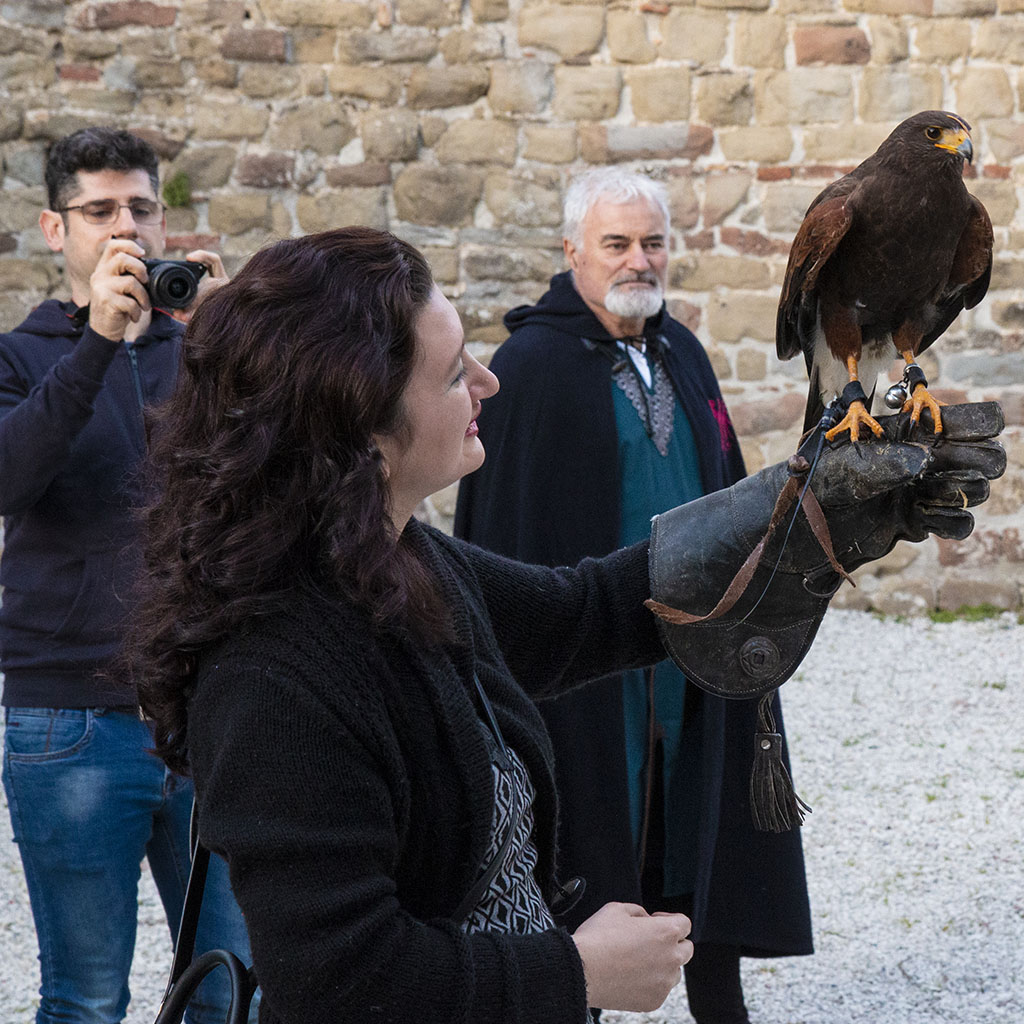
(106, 211)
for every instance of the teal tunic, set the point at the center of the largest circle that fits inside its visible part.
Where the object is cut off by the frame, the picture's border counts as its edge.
(651, 483)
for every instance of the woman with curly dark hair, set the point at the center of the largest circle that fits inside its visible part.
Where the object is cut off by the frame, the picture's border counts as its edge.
(352, 691)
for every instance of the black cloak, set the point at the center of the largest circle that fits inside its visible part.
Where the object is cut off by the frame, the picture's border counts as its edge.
(548, 492)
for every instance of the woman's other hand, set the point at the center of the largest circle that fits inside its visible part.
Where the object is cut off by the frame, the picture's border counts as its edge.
(632, 959)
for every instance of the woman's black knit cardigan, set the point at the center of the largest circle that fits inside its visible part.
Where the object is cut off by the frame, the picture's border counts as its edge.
(342, 771)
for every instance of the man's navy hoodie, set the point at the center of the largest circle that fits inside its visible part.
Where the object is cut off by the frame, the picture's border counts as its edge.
(72, 443)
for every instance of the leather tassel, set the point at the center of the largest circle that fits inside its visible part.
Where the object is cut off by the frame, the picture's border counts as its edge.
(774, 804)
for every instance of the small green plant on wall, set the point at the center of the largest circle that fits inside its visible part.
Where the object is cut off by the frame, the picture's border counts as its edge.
(178, 190)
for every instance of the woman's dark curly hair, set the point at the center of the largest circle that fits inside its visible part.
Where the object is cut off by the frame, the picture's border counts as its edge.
(265, 462)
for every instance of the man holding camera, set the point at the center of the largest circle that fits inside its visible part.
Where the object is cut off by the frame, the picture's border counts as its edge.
(87, 799)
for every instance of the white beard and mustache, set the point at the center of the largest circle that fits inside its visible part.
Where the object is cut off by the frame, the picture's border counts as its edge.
(635, 303)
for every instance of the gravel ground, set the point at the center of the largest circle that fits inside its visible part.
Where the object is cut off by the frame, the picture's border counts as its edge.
(906, 739)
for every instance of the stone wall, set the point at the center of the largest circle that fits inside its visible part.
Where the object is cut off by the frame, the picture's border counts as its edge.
(457, 124)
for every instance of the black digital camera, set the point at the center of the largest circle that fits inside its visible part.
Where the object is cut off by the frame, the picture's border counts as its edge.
(173, 284)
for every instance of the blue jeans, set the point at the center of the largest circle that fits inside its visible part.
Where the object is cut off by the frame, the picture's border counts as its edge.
(87, 803)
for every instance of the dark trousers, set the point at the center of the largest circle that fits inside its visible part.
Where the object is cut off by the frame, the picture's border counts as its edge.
(714, 990)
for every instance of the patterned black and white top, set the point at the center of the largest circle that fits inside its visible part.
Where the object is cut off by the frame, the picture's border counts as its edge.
(513, 902)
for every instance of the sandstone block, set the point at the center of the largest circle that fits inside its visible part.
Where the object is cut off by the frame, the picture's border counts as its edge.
(697, 36)
(963, 592)
(904, 596)
(804, 96)
(466, 45)
(689, 316)
(377, 84)
(571, 31)
(753, 5)
(190, 241)
(28, 275)
(844, 144)
(736, 315)
(888, 94)
(110, 101)
(325, 13)
(444, 263)
(362, 175)
(313, 45)
(269, 81)
(722, 369)
(35, 13)
(431, 13)
(760, 41)
(942, 39)
(992, 369)
(1005, 139)
(893, 8)
(751, 364)
(660, 94)
(763, 143)
(707, 271)
(444, 196)
(489, 10)
(964, 8)
(725, 98)
(785, 204)
(897, 561)
(505, 264)
(1007, 273)
(233, 214)
(207, 167)
(270, 170)
(527, 201)
(221, 73)
(889, 43)
(254, 44)
(399, 44)
(390, 135)
(26, 164)
(476, 141)
(182, 220)
(24, 71)
(723, 192)
(587, 93)
(831, 44)
(985, 92)
(334, 209)
(432, 87)
(319, 125)
(41, 124)
(77, 45)
(550, 143)
(105, 16)
(618, 142)
(520, 87)
(627, 38)
(1000, 199)
(762, 415)
(683, 204)
(230, 121)
(159, 74)
(213, 12)
(432, 127)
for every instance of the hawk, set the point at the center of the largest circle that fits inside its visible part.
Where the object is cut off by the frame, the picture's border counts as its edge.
(886, 258)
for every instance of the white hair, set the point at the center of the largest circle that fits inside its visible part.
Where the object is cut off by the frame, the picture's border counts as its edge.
(610, 183)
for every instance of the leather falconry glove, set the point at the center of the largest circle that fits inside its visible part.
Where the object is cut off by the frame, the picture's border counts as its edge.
(741, 578)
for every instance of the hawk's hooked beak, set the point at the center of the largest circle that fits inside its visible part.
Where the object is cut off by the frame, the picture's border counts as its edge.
(957, 141)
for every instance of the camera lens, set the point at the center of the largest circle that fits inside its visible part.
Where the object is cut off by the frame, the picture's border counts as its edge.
(172, 283)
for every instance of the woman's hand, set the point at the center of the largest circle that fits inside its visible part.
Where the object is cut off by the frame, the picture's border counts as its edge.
(632, 959)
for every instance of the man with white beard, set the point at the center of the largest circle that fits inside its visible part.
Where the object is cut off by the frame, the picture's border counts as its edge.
(608, 412)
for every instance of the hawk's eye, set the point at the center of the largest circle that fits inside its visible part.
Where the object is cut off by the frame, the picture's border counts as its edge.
(933, 133)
